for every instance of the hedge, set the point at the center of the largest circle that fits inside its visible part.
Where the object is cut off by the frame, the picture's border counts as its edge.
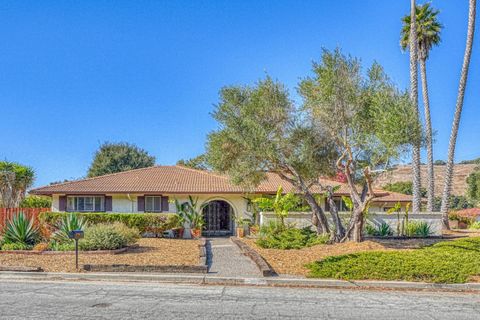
(144, 222)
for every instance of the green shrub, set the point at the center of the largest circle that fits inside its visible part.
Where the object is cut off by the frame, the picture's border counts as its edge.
(418, 229)
(446, 262)
(144, 222)
(67, 224)
(383, 230)
(274, 237)
(107, 237)
(65, 246)
(21, 230)
(130, 234)
(16, 246)
(475, 225)
(36, 202)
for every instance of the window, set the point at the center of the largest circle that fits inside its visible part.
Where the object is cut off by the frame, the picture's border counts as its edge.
(341, 207)
(85, 203)
(153, 204)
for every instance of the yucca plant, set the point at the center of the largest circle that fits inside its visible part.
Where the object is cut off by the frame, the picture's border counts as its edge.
(66, 225)
(21, 230)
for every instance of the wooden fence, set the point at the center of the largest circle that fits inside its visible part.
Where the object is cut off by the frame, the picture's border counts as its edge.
(7, 214)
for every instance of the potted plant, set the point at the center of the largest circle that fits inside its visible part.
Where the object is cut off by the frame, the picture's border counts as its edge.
(181, 219)
(191, 214)
(241, 223)
(254, 229)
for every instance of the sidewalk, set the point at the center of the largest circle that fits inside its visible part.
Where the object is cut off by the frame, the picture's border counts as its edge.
(208, 279)
(225, 259)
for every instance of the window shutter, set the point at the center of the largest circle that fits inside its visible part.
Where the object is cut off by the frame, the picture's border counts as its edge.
(165, 204)
(62, 203)
(327, 205)
(108, 203)
(141, 203)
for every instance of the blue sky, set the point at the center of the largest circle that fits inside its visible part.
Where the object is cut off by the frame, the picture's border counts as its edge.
(74, 74)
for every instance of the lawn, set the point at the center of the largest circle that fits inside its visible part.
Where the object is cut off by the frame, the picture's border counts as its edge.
(455, 261)
(151, 251)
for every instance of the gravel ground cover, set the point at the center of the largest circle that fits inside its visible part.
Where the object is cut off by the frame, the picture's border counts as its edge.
(293, 261)
(151, 251)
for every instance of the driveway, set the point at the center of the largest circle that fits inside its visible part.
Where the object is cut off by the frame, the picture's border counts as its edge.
(101, 300)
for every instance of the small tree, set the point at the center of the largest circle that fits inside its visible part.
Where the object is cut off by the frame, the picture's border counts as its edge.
(473, 186)
(369, 120)
(15, 179)
(118, 157)
(261, 131)
(281, 204)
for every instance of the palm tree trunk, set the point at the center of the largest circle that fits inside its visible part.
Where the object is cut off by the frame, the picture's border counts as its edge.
(458, 112)
(416, 183)
(429, 140)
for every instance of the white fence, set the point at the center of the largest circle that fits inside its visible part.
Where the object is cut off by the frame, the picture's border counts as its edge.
(304, 219)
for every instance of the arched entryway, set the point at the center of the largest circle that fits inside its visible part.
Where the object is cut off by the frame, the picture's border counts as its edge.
(218, 218)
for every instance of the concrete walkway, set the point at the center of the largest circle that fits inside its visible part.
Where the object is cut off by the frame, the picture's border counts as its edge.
(225, 259)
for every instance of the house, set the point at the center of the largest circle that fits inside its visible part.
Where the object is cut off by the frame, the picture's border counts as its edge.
(153, 189)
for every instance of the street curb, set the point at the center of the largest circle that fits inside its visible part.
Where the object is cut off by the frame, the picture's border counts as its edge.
(233, 281)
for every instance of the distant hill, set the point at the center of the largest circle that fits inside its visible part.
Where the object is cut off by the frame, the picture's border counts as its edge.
(404, 173)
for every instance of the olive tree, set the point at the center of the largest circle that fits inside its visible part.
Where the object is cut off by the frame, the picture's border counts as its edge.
(370, 122)
(261, 131)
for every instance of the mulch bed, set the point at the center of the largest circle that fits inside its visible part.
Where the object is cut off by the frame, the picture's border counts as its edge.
(150, 252)
(293, 261)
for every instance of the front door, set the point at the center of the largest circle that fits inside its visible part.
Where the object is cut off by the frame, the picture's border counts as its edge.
(217, 215)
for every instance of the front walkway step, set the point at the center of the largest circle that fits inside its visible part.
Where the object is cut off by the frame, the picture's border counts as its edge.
(225, 259)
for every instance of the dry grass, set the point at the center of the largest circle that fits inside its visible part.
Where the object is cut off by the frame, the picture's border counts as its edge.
(294, 261)
(404, 173)
(150, 252)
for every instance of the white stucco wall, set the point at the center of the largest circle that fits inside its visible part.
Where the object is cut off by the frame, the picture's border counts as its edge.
(303, 219)
(124, 203)
(55, 203)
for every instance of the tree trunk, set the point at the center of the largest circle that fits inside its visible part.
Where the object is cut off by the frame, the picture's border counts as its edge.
(458, 112)
(339, 233)
(354, 231)
(428, 134)
(416, 183)
(322, 226)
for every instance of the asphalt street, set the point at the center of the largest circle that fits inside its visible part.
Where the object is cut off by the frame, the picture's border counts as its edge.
(108, 300)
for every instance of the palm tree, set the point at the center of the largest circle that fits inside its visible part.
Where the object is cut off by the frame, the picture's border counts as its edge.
(428, 35)
(458, 112)
(416, 183)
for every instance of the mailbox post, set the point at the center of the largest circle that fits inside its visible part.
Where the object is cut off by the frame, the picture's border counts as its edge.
(76, 235)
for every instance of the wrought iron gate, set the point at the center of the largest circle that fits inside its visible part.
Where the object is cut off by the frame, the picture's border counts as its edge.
(217, 215)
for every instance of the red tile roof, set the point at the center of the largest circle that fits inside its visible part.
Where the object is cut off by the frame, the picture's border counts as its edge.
(183, 180)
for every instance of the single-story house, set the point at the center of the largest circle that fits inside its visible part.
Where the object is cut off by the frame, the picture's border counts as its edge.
(153, 189)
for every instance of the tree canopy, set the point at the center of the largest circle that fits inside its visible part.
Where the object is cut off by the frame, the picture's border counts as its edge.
(118, 157)
(199, 162)
(261, 131)
(349, 122)
(368, 119)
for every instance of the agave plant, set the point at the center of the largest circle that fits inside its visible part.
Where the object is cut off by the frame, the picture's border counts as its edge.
(384, 230)
(21, 230)
(67, 224)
